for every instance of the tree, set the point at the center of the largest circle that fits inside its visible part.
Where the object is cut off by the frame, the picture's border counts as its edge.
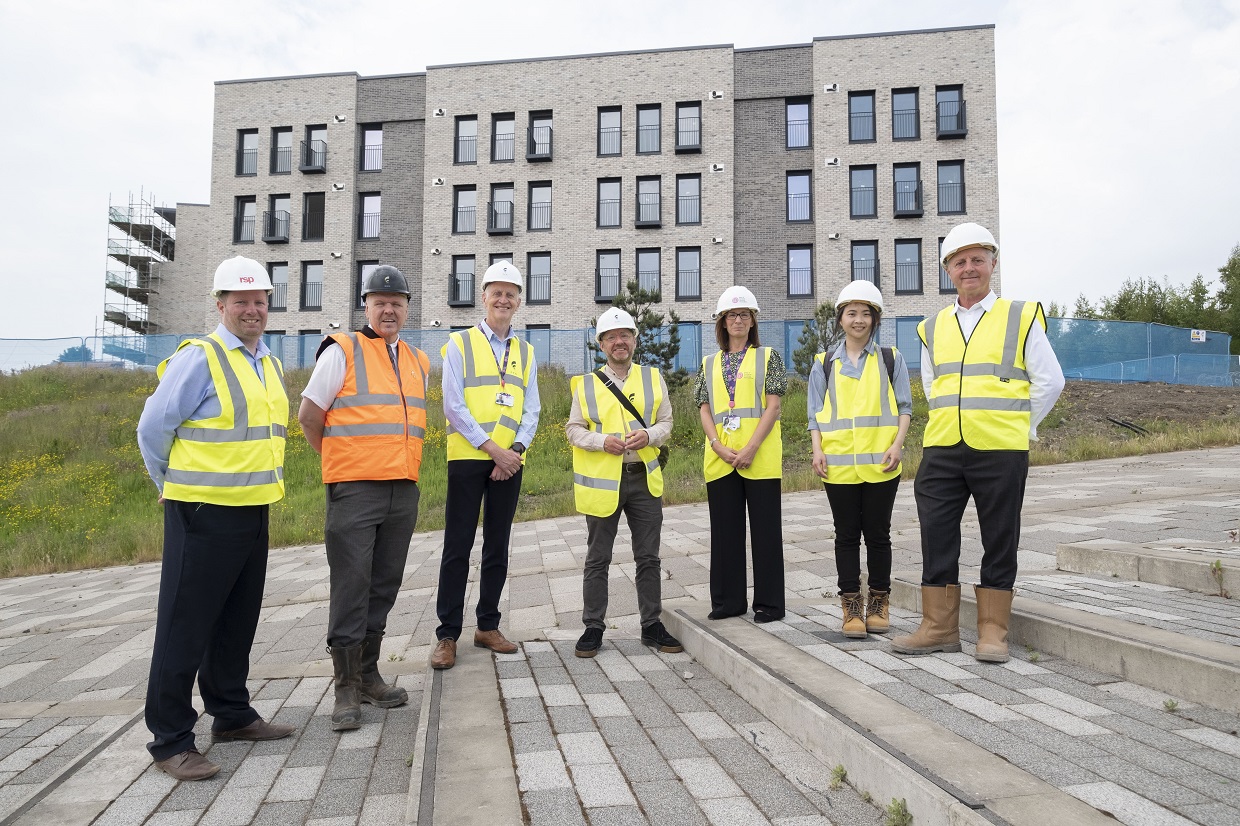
(76, 355)
(1053, 310)
(1083, 308)
(816, 336)
(656, 347)
(1227, 299)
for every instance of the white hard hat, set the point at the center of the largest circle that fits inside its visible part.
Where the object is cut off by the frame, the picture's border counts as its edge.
(502, 271)
(736, 298)
(614, 319)
(968, 235)
(862, 291)
(240, 273)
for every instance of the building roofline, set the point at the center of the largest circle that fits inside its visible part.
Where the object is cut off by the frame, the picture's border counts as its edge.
(190, 203)
(905, 31)
(773, 48)
(284, 77)
(580, 56)
(389, 77)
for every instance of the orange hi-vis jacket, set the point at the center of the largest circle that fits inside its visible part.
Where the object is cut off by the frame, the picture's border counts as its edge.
(375, 426)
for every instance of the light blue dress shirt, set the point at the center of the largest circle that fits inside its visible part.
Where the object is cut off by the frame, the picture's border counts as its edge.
(453, 385)
(817, 390)
(185, 392)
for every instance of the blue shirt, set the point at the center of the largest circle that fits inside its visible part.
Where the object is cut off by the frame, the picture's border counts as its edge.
(816, 393)
(453, 384)
(186, 392)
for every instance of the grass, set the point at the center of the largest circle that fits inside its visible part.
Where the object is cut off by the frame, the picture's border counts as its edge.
(74, 492)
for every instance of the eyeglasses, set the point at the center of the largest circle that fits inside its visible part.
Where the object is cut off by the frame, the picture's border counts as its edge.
(736, 315)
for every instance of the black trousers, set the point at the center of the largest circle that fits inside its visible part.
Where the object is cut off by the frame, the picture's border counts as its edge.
(210, 593)
(469, 485)
(863, 508)
(995, 479)
(727, 498)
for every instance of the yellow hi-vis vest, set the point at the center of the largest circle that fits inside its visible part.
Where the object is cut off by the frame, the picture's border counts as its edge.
(237, 457)
(596, 473)
(980, 393)
(858, 422)
(480, 380)
(750, 403)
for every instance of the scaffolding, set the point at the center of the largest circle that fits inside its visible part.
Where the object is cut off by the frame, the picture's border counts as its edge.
(141, 238)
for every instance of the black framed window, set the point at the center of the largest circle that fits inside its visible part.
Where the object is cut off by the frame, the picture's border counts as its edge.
(312, 216)
(945, 282)
(608, 202)
(540, 206)
(861, 117)
(499, 211)
(906, 182)
(243, 219)
(865, 261)
(951, 187)
(688, 273)
(862, 202)
(364, 268)
(800, 203)
(369, 208)
(689, 126)
(949, 110)
(276, 219)
(609, 137)
(372, 147)
(649, 201)
(688, 199)
(461, 282)
(314, 149)
(464, 210)
(247, 152)
(465, 143)
(281, 150)
(800, 270)
(905, 116)
(496, 257)
(278, 271)
(908, 266)
(538, 278)
(311, 285)
(539, 141)
(649, 129)
(503, 137)
(606, 276)
(649, 270)
(796, 123)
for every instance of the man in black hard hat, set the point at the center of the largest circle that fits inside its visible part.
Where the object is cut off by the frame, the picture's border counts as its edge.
(364, 412)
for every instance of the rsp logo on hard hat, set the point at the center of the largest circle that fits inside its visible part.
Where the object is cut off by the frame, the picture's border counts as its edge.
(245, 279)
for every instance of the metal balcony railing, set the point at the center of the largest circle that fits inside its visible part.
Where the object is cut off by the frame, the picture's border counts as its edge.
(243, 230)
(609, 140)
(689, 135)
(538, 146)
(862, 203)
(861, 126)
(865, 269)
(279, 297)
(466, 148)
(908, 199)
(247, 161)
(312, 226)
(648, 280)
(461, 289)
(540, 288)
(689, 209)
(908, 277)
(606, 283)
(275, 226)
(904, 124)
(951, 198)
(798, 133)
(499, 218)
(540, 216)
(689, 284)
(368, 225)
(312, 295)
(504, 146)
(648, 138)
(798, 206)
(281, 159)
(466, 219)
(609, 213)
(951, 119)
(800, 281)
(314, 156)
(372, 157)
(648, 209)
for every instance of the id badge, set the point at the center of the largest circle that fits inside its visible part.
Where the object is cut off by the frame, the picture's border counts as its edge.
(503, 399)
(732, 423)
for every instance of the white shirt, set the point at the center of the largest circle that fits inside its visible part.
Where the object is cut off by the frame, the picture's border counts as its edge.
(327, 380)
(1045, 375)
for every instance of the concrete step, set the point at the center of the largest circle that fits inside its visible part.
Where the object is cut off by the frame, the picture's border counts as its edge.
(1194, 565)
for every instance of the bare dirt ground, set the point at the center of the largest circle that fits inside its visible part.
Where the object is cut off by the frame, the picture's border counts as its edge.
(1084, 408)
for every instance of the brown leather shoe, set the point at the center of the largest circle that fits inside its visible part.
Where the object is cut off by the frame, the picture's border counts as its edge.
(188, 765)
(444, 655)
(495, 641)
(260, 729)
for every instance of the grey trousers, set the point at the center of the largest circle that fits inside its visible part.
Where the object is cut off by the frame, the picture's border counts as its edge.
(645, 517)
(369, 525)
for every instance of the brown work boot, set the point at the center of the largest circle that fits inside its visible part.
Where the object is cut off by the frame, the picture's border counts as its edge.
(444, 655)
(994, 607)
(373, 688)
(346, 664)
(877, 620)
(495, 641)
(940, 623)
(188, 765)
(854, 623)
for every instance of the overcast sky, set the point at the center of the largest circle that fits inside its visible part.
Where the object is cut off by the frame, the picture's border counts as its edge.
(1119, 129)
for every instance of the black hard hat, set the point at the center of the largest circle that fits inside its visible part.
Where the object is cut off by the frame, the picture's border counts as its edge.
(386, 279)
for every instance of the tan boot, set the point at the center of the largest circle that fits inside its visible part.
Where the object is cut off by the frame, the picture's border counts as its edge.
(854, 622)
(877, 620)
(940, 623)
(994, 607)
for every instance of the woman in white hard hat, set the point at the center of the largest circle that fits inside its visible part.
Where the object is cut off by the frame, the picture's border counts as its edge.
(738, 393)
(860, 407)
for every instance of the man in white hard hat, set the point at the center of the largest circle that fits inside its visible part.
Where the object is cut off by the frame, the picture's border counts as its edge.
(212, 437)
(490, 399)
(991, 376)
(620, 417)
(364, 411)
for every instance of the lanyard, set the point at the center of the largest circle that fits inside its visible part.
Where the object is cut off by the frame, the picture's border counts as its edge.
(502, 364)
(731, 385)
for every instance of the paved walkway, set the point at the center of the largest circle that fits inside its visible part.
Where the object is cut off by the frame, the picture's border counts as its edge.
(74, 653)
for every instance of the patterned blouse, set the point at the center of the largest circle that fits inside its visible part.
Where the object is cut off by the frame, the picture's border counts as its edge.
(776, 377)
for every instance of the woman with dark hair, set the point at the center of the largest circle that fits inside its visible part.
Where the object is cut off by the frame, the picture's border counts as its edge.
(860, 407)
(738, 393)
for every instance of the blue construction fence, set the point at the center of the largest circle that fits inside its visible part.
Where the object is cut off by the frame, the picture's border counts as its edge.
(1113, 351)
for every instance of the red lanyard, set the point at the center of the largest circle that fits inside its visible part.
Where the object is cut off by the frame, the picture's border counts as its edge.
(731, 385)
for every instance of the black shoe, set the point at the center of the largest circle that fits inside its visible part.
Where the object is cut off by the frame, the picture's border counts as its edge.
(719, 614)
(590, 642)
(656, 636)
(761, 617)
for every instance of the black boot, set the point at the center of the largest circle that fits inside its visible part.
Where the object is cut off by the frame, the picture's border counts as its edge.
(347, 713)
(373, 689)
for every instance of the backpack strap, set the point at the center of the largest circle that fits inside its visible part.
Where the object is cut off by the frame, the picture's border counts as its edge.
(889, 359)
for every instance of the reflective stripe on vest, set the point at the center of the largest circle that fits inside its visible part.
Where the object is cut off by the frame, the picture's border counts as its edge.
(980, 392)
(750, 398)
(858, 422)
(237, 457)
(375, 425)
(480, 382)
(597, 473)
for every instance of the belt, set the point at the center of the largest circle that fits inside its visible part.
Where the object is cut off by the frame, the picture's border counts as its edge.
(634, 467)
